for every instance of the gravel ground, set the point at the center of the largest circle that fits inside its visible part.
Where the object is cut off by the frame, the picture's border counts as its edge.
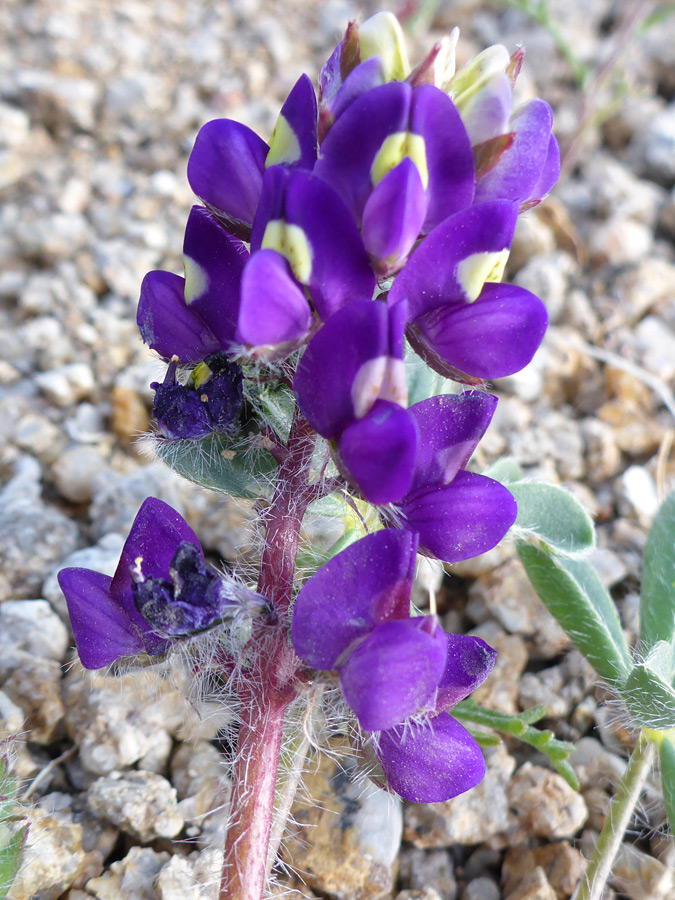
(99, 105)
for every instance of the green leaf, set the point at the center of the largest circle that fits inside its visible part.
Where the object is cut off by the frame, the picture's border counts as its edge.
(648, 699)
(217, 463)
(276, 404)
(657, 604)
(545, 741)
(667, 767)
(11, 845)
(505, 471)
(572, 592)
(552, 516)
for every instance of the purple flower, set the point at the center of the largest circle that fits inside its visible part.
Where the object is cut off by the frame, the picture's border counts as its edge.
(307, 258)
(401, 159)
(457, 514)
(353, 616)
(228, 160)
(463, 322)
(161, 589)
(191, 317)
(435, 758)
(350, 385)
(209, 402)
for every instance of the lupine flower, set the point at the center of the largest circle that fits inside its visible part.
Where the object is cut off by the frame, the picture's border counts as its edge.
(228, 160)
(191, 317)
(350, 385)
(307, 258)
(161, 589)
(463, 322)
(401, 159)
(353, 616)
(209, 402)
(457, 514)
(435, 758)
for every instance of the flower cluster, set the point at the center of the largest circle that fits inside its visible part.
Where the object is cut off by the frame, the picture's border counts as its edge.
(377, 217)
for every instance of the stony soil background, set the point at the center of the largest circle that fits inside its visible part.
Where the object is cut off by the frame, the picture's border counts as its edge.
(99, 105)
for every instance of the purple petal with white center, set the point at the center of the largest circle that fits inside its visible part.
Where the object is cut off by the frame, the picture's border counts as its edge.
(225, 170)
(153, 539)
(351, 145)
(378, 452)
(548, 176)
(167, 325)
(340, 271)
(448, 153)
(354, 335)
(431, 762)
(367, 583)
(393, 217)
(491, 338)
(433, 276)
(273, 308)
(214, 262)
(459, 520)
(271, 204)
(102, 630)
(518, 171)
(468, 663)
(486, 115)
(393, 672)
(299, 114)
(450, 427)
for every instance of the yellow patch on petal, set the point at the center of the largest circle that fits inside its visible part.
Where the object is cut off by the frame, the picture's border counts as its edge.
(291, 242)
(381, 378)
(284, 144)
(479, 268)
(196, 279)
(382, 36)
(394, 149)
(478, 72)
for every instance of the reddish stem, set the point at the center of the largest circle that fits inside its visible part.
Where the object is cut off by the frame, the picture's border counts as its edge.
(270, 681)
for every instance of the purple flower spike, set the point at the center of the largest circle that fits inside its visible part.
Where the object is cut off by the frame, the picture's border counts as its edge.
(428, 763)
(167, 324)
(294, 138)
(393, 672)
(520, 168)
(225, 170)
(393, 217)
(363, 586)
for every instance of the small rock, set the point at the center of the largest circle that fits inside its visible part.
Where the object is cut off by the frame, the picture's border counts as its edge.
(141, 803)
(638, 495)
(620, 241)
(547, 276)
(532, 238)
(179, 879)
(640, 876)
(35, 686)
(130, 417)
(657, 345)
(66, 384)
(33, 626)
(534, 886)
(482, 888)
(543, 804)
(419, 869)
(37, 435)
(74, 473)
(563, 865)
(131, 878)
(480, 814)
(350, 848)
(51, 859)
(659, 146)
(423, 894)
(11, 717)
(199, 776)
(117, 498)
(601, 453)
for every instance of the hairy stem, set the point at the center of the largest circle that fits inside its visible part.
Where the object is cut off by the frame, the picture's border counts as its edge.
(619, 815)
(270, 683)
